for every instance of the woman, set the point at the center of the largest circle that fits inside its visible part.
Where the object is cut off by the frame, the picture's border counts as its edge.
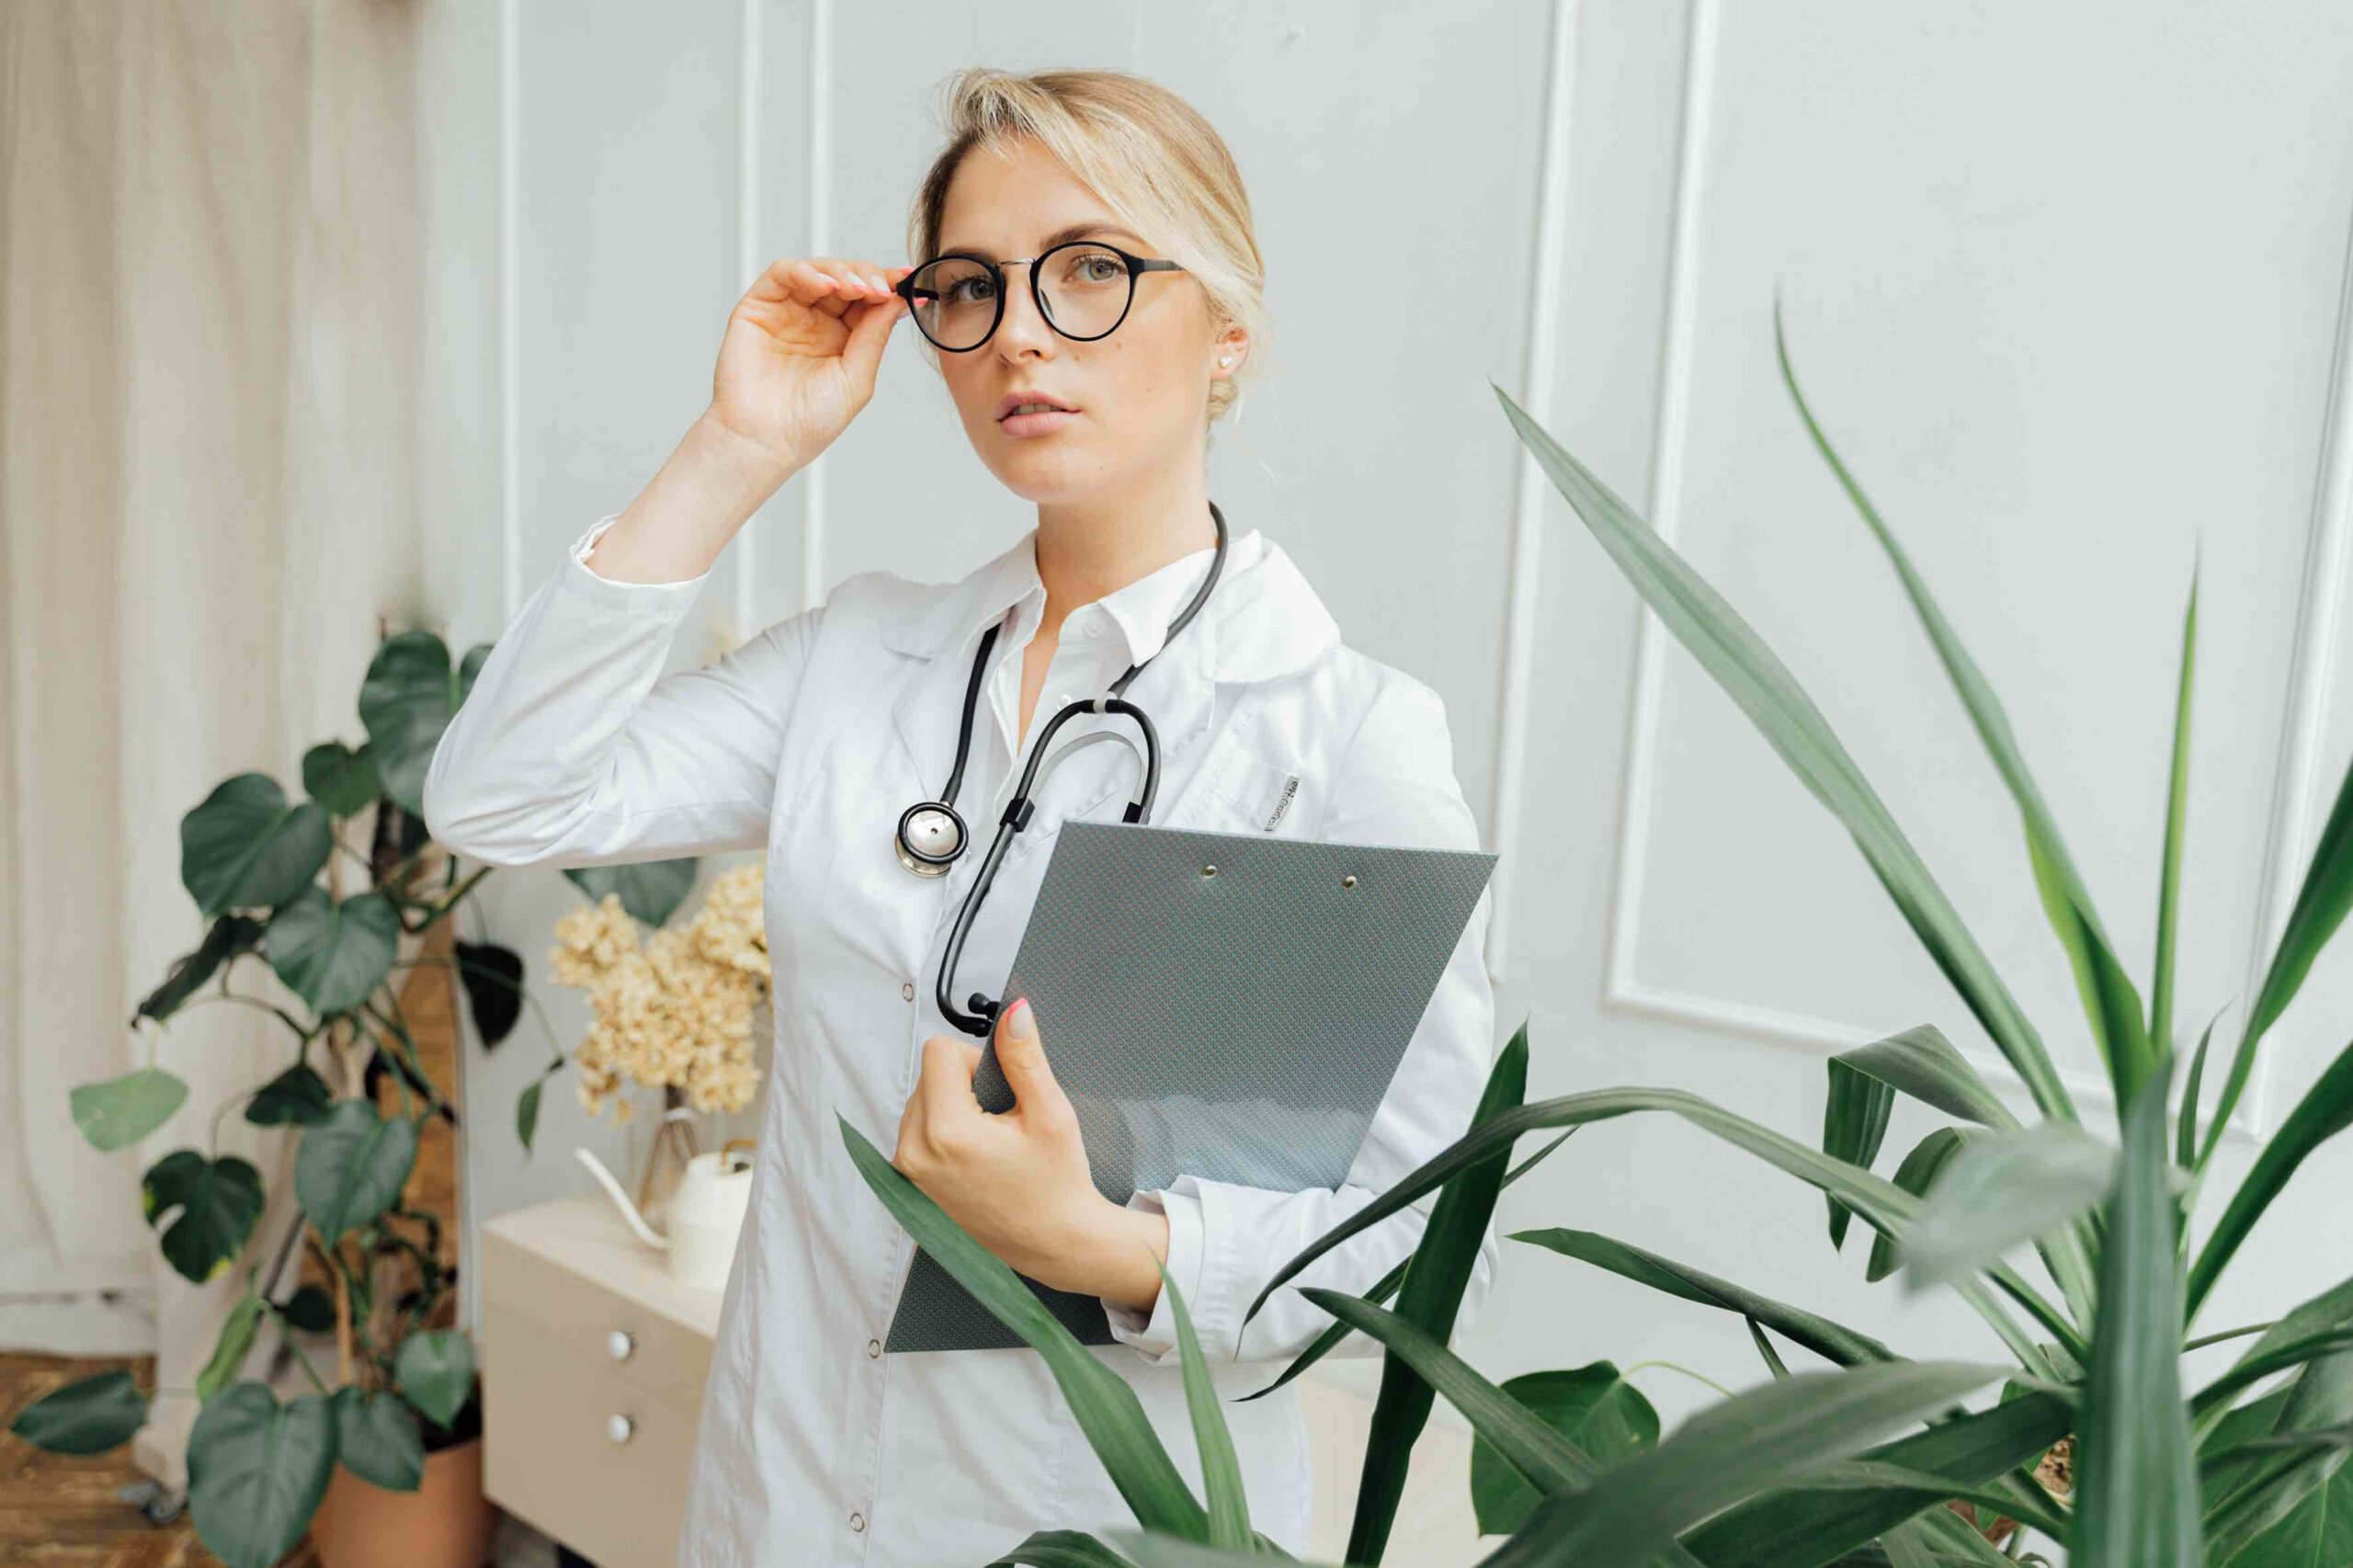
(815, 1446)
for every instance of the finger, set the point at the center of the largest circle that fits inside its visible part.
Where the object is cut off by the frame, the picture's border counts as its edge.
(859, 280)
(944, 1082)
(1022, 1057)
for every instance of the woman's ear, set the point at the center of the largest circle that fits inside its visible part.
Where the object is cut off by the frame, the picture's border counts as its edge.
(1231, 350)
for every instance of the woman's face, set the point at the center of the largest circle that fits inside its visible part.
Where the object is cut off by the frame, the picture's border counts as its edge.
(1141, 393)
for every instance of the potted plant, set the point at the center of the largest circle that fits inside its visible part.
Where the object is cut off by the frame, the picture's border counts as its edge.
(2092, 1443)
(389, 1455)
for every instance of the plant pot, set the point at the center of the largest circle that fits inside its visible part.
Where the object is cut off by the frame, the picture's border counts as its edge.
(445, 1523)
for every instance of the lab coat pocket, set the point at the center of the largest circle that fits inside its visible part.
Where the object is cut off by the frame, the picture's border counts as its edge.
(1246, 793)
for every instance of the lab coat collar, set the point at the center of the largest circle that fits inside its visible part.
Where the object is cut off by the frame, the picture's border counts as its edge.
(1262, 620)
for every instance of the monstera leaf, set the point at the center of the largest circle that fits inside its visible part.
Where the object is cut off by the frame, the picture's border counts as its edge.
(436, 1371)
(120, 1111)
(247, 847)
(493, 977)
(331, 954)
(651, 891)
(256, 1469)
(87, 1417)
(351, 1166)
(378, 1440)
(228, 936)
(298, 1095)
(218, 1201)
(339, 779)
(411, 694)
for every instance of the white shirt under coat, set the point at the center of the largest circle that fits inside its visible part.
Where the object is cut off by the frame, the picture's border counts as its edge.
(575, 748)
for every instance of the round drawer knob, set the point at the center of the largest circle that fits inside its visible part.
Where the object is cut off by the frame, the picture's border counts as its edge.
(620, 1344)
(620, 1428)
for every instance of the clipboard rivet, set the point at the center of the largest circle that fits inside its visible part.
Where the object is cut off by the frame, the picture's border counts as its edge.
(1349, 881)
(1208, 871)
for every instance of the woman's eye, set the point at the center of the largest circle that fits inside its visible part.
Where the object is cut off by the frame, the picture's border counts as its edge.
(956, 294)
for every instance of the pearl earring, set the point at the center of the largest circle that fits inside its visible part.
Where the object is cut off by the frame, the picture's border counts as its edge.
(1226, 360)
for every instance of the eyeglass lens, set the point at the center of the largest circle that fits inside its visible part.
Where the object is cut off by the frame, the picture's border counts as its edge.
(1083, 289)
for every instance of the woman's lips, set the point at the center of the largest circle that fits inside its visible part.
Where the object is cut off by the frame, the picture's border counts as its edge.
(1044, 422)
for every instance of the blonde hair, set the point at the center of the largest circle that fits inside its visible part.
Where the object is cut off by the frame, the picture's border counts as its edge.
(1148, 154)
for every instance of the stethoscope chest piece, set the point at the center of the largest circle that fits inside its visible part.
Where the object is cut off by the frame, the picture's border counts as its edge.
(929, 837)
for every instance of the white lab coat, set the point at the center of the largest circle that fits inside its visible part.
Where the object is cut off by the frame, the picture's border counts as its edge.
(575, 749)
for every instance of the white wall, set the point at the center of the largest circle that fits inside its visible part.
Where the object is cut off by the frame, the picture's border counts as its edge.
(2064, 283)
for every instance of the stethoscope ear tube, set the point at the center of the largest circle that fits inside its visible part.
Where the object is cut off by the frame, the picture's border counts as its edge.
(931, 837)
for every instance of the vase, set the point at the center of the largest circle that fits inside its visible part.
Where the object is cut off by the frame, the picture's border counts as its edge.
(445, 1523)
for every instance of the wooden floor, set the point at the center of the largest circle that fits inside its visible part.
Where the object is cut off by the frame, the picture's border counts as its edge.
(57, 1512)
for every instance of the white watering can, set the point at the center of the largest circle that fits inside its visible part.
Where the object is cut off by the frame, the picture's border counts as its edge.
(705, 1214)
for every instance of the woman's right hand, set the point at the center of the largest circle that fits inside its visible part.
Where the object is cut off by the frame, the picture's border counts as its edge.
(800, 355)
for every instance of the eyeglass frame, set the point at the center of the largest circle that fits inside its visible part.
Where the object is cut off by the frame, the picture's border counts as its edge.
(904, 289)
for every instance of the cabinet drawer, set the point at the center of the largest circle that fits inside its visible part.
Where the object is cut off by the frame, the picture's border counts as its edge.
(549, 1456)
(667, 1359)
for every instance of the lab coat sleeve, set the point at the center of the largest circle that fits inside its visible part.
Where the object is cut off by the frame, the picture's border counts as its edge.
(1397, 785)
(574, 748)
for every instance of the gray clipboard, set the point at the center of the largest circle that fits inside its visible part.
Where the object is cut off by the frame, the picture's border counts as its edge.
(1241, 1024)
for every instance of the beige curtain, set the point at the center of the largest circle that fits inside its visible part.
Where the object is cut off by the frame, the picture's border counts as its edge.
(207, 256)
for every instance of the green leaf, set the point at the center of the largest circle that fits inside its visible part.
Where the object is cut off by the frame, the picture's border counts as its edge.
(2117, 1022)
(1764, 1438)
(2325, 1110)
(333, 955)
(86, 1417)
(351, 1167)
(120, 1111)
(1439, 1270)
(1922, 1063)
(1916, 1175)
(297, 1097)
(246, 846)
(340, 780)
(1153, 1549)
(1854, 1123)
(229, 1353)
(224, 939)
(2002, 1190)
(2185, 1143)
(649, 890)
(527, 1113)
(1765, 1351)
(1730, 650)
(493, 977)
(2136, 1496)
(1229, 1506)
(1831, 1341)
(1594, 1407)
(218, 1203)
(436, 1372)
(2170, 873)
(1809, 1526)
(378, 1440)
(1104, 1403)
(1062, 1549)
(408, 698)
(1383, 1288)
(309, 1310)
(256, 1469)
(2320, 906)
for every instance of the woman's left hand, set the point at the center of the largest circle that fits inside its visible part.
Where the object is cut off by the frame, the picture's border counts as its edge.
(1017, 1181)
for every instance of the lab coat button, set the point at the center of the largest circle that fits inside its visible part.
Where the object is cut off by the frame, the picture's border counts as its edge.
(908, 990)
(873, 1348)
(857, 1521)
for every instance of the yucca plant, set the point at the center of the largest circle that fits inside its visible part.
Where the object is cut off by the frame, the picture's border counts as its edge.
(1872, 1458)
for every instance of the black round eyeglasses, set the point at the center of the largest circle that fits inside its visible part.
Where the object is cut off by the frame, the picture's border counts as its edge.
(1083, 289)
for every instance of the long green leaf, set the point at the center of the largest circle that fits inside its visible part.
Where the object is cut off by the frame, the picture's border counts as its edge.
(2325, 1111)
(2112, 1005)
(2004, 1190)
(1064, 1548)
(1229, 1506)
(1854, 1123)
(1104, 1403)
(2279, 1358)
(1883, 1205)
(1805, 1527)
(1916, 1175)
(1441, 1269)
(2186, 1139)
(1765, 1438)
(1386, 1287)
(2176, 812)
(1922, 1063)
(1749, 672)
(2137, 1496)
(1832, 1341)
(1547, 1461)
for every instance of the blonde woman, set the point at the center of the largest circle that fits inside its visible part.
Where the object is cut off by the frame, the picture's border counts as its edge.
(1088, 289)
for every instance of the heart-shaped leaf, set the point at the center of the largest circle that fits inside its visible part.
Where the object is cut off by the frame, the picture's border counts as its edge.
(219, 1202)
(494, 981)
(86, 1417)
(247, 847)
(378, 1440)
(351, 1166)
(256, 1469)
(120, 1111)
(339, 779)
(224, 939)
(333, 955)
(408, 698)
(650, 890)
(298, 1095)
(310, 1310)
(436, 1371)
(1594, 1407)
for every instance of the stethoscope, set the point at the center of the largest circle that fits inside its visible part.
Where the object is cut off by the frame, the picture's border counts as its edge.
(931, 837)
